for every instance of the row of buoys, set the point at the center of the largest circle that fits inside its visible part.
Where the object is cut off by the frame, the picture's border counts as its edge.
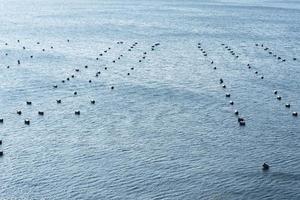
(271, 52)
(232, 52)
(241, 121)
(287, 105)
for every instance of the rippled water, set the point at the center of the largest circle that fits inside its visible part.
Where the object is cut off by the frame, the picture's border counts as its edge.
(166, 131)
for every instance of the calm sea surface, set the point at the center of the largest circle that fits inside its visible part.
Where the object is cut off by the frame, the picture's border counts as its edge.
(166, 129)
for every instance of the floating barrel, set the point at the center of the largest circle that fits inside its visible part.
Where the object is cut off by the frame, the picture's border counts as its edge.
(1, 120)
(93, 101)
(19, 112)
(58, 101)
(287, 105)
(41, 113)
(227, 95)
(28, 102)
(279, 97)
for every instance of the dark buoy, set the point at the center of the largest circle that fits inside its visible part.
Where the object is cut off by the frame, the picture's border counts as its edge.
(28, 102)
(242, 123)
(279, 97)
(77, 70)
(75, 93)
(58, 101)
(262, 77)
(90, 81)
(86, 66)
(215, 68)
(236, 112)
(68, 79)
(223, 86)
(77, 112)
(295, 114)
(19, 62)
(240, 119)
(132, 68)
(287, 105)
(72, 76)
(1, 121)
(275, 92)
(221, 81)
(265, 166)
(27, 121)
(0, 142)
(105, 68)
(54, 86)
(63, 81)
(1, 153)
(93, 101)
(294, 58)
(112, 87)
(231, 102)
(19, 112)
(128, 74)
(227, 95)
(41, 113)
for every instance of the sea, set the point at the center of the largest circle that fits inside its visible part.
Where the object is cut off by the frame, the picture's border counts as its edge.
(160, 86)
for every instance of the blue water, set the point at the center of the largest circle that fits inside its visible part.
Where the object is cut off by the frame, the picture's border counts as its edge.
(166, 131)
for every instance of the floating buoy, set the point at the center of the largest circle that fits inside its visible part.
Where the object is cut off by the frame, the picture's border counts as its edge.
(112, 87)
(223, 86)
(265, 166)
(132, 68)
(287, 105)
(90, 81)
(236, 112)
(27, 121)
(19, 62)
(28, 102)
(275, 92)
(1, 153)
(242, 123)
(93, 101)
(86, 66)
(58, 101)
(128, 74)
(279, 97)
(221, 81)
(241, 119)
(77, 70)
(63, 81)
(0, 142)
(68, 79)
(54, 86)
(215, 68)
(231, 102)
(262, 77)
(75, 93)
(19, 112)
(294, 58)
(1, 120)
(41, 113)
(227, 95)
(72, 76)
(295, 114)
(77, 112)
(105, 68)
